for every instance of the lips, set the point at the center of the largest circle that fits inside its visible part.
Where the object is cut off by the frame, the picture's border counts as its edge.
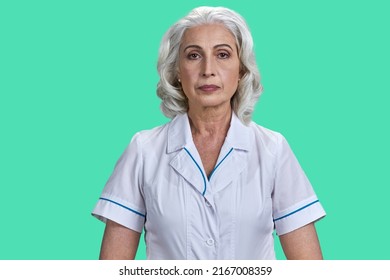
(209, 88)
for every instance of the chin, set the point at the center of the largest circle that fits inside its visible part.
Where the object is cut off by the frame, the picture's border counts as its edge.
(215, 103)
(210, 101)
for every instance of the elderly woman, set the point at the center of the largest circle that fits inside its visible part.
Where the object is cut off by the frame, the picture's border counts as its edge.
(210, 184)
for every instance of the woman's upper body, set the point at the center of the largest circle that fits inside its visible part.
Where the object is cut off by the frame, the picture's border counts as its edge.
(210, 184)
(160, 185)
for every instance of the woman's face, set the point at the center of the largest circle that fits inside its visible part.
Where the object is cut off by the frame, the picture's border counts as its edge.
(209, 66)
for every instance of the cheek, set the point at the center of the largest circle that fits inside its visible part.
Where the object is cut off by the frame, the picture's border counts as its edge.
(185, 68)
(231, 76)
(187, 80)
(187, 75)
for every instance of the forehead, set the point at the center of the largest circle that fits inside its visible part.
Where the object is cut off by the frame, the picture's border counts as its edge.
(204, 35)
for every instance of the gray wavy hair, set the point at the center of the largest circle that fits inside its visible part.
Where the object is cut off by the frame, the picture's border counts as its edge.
(174, 101)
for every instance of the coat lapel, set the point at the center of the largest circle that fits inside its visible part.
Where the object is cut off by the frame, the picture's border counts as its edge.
(187, 162)
(233, 158)
(228, 169)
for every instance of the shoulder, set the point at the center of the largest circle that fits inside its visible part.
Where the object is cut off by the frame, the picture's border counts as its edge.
(150, 136)
(269, 139)
(144, 144)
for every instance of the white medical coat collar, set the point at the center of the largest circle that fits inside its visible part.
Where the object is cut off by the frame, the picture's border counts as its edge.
(179, 134)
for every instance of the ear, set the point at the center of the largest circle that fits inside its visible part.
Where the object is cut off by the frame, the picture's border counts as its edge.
(178, 77)
(177, 72)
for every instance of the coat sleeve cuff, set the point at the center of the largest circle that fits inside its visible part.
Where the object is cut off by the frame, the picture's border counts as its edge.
(299, 215)
(119, 212)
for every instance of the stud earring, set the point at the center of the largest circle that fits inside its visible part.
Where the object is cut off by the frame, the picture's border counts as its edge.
(179, 80)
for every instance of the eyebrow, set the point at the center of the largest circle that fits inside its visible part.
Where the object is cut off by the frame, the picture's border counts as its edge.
(215, 47)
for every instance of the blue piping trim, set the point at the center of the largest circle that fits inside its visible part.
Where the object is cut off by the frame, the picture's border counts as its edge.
(296, 210)
(127, 208)
(200, 169)
(215, 168)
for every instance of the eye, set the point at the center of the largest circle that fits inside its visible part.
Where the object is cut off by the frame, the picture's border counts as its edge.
(193, 56)
(223, 55)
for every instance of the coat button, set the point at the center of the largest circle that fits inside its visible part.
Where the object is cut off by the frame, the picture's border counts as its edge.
(210, 242)
(208, 203)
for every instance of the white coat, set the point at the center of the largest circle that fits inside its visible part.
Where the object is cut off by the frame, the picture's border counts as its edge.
(256, 187)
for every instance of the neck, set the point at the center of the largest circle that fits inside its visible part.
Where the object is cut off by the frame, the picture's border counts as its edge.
(210, 122)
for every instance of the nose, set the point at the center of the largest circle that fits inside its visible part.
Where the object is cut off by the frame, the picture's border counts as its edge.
(208, 68)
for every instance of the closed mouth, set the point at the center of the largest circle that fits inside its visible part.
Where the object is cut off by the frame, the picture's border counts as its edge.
(209, 87)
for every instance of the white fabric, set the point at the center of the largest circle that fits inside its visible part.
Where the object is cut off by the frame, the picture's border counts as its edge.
(159, 184)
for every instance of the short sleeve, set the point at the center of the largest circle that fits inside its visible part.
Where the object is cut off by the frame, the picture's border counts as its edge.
(122, 199)
(294, 202)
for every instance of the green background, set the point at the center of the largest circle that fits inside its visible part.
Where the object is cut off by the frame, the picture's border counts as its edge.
(78, 79)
